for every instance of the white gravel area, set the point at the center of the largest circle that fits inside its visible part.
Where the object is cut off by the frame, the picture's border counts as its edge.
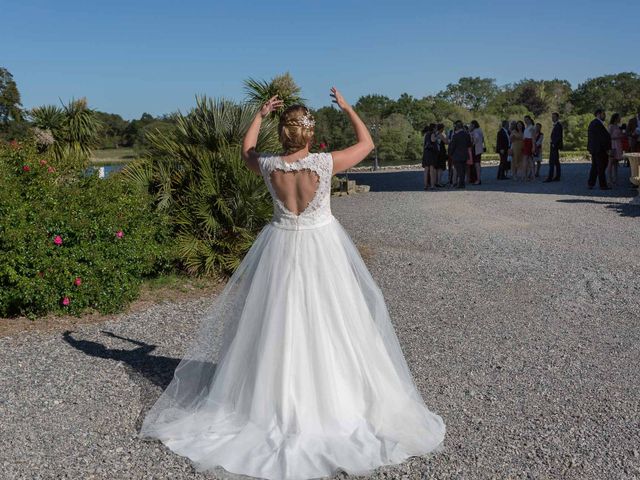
(517, 307)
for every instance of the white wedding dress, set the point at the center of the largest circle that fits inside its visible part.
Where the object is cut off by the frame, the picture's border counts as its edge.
(296, 371)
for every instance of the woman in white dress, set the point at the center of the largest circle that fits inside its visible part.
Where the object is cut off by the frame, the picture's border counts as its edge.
(296, 371)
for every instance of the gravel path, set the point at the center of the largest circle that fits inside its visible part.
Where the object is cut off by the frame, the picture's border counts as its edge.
(516, 305)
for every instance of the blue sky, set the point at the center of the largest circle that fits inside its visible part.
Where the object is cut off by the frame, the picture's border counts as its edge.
(136, 56)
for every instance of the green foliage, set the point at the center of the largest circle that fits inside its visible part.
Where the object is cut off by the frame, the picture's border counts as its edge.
(93, 267)
(259, 91)
(533, 97)
(472, 93)
(75, 129)
(112, 130)
(615, 93)
(197, 177)
(395, 133)
(10, 106)
(333, 129)
(373, 108)
(575, 131)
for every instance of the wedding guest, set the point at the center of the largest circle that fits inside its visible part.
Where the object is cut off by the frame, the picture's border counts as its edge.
(477, 138)
(625, 143)
(527, 146)
(555, 147)
(517, 140)
(443, 156)
(460, 151)
(502, 148)
(633, 132)
(430, 156)
(625, 138)
(616, 148)
(599, 145)
(537, 148)
(452, 171)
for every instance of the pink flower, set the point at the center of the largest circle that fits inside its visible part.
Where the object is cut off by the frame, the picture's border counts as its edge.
(51, 169)
(26, 168)
(119, 234)
(57, 240)
(323, 146)
(77, 281)
(43, 162)
(66, 301)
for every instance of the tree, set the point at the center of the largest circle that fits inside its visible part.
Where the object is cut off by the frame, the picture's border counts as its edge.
(615, 93)
(112, 130)
(374, 108)
(530, 94)
(75, 129)
(575, 131)
(333, 128)
(419, 112)
(131, 133)
(10, 106)
(395, 133)
(472, 93)
(197, 176)
(558, 95)
(259, 91)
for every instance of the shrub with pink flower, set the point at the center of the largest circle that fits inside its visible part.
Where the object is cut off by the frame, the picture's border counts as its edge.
(26, 168)
(66, 301)
(323, 146)
(77, 282)
(119, 234)
(57, 240)
(43, 162)
(51, 169)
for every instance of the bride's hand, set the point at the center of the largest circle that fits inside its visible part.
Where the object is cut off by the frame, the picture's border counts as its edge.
(339, 99)
(272, 105)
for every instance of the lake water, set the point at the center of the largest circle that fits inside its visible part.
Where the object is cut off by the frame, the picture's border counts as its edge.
(106, 169)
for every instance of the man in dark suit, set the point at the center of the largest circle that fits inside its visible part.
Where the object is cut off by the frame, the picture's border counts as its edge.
(599, 146)
(556, 146)
(502, 148)
(460, 151)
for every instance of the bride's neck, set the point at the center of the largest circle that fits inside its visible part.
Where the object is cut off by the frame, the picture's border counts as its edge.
(297, 154)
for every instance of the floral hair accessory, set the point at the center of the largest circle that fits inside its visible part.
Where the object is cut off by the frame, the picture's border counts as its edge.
(307, 121)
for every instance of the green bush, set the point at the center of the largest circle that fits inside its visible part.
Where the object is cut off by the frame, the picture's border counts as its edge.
(69, 243)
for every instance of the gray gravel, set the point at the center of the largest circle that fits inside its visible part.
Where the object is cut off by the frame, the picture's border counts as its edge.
(516, 306)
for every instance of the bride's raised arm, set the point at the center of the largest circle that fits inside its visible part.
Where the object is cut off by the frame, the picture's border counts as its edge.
(249, 153)
(347, 158)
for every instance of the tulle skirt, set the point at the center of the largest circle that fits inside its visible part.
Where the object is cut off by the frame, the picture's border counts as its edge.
(296, 371)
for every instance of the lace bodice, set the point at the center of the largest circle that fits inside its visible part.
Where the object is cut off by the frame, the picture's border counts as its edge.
(318, 211)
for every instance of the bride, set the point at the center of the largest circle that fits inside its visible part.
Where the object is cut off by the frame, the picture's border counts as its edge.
(296, 371)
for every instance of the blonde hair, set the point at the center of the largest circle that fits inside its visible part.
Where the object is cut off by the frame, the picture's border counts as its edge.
(295, 128)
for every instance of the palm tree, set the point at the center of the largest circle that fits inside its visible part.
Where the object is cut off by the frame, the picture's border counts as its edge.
(197, 176)
(74, 127)
(259, 91)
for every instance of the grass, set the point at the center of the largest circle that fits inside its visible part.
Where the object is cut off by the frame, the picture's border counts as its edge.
(113, 156)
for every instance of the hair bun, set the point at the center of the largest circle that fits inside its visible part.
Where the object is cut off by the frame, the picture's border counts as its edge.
(295, 128)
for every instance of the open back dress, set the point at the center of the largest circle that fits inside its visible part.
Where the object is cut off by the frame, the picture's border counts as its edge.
(296, 371)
